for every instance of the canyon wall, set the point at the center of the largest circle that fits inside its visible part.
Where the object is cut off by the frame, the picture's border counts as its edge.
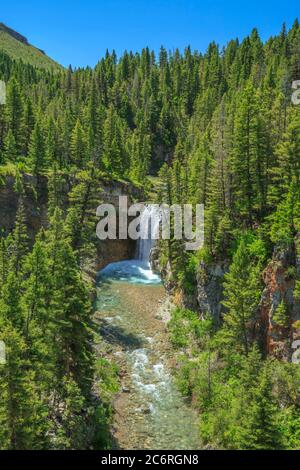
(36, 212)
(277, 336)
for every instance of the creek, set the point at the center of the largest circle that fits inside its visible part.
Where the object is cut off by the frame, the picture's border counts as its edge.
(132, 311)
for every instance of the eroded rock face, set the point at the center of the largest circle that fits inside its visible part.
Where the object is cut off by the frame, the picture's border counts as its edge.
(108, 251)
(210, 289)
(154, 260)
(279, 279)
(35, 210)
(111, 251)
(168, 278)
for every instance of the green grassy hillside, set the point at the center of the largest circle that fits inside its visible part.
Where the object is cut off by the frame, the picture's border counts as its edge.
(17, 47)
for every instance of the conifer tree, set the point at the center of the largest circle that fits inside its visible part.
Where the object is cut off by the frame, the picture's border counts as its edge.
(51, 149)
(241, 293)
(10, 148)
(15, 113)
(260, 431)
(29, 121)
(70, 307)
(246, 156)
(288, 153)
(22, 413)
(81, 218)
(281, 314)
(19, 241)
(37, 150)
(37, 291)
(4, 258)
(78, 145)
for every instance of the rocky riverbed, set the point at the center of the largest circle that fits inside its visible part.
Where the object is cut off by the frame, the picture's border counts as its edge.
(132, 312)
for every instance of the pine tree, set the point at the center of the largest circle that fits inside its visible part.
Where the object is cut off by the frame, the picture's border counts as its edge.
(78, 145)
(71, 430)
(11, 296)
(241, 293)
(56, 182)
(114, 155)
(140, 155)
(260, 430)
(37, 150)
(70, 307)
(81, 218)
(93, 119)
(4, 258)
(247, 159)
(10, 148)
(51, 149)
(37, 291)
(19, 241)
(29, 121)
(286, 221)
(22, 413)
(280, 315)
(15, 113)
(288, 154)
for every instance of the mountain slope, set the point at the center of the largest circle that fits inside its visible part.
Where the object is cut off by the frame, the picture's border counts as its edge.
(17, 47)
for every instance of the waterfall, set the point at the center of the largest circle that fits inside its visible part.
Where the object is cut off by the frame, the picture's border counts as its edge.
(149, 230)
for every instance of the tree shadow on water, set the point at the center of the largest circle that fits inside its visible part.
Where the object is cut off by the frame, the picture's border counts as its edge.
(114, 334)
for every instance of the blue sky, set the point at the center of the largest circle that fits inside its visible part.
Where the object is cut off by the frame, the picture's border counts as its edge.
(78, 32)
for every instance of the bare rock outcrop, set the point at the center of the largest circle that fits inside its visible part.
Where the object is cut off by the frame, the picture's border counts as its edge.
(277, 338)
(210, 289)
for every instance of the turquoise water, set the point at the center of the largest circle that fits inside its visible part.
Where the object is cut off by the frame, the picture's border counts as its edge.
(152, 414)
(133, 271)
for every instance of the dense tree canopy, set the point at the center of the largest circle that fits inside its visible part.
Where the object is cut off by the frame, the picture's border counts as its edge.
(219, 129)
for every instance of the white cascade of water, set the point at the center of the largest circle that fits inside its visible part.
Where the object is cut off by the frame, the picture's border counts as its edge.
(149, 230)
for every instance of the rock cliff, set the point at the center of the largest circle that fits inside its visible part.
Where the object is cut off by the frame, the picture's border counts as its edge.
(36, 212)
(277, 334)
